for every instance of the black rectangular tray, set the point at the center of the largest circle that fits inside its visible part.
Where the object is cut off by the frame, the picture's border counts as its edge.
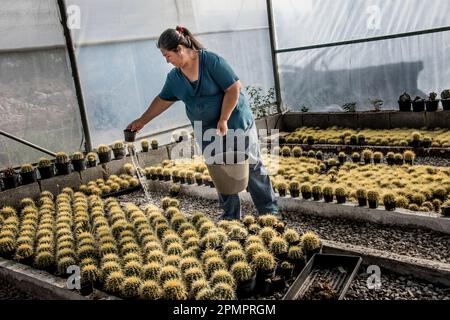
(338, 270)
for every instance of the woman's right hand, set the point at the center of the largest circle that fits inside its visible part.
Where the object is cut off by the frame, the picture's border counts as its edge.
(136, 125)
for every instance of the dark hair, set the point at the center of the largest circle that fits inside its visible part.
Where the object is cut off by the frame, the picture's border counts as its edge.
(171, 38)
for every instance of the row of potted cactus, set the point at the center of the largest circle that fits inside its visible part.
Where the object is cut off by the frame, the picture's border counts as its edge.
(419, 104)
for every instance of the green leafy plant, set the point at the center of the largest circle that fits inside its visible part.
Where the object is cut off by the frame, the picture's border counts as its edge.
(262, 104)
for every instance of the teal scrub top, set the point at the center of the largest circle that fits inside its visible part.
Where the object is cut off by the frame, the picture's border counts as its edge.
(203, 98)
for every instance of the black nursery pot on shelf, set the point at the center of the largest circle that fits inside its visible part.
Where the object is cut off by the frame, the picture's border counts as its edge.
(245, 289)
(341, 199)
(445, 104)
(282, 193)
(389, 206)
(119, 153)
(361, 141)
(63, 168)
(328, 198)
(47, 172)
(373, 204)
(446, 211)
(91, 164)
(306, 195)
(362, 202)
(199, 181)
(11, 182)
(104, 157)
(404, 106)
(29, 177)
(431, 105)
(79, 165)
(418, 106)
(294, 193)
(317, 196)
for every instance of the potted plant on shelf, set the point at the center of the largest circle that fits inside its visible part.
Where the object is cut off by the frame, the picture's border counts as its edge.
(306, 191)
(310, 140)
(342, 157)
(294, 189)
(445, 99)
(91, 159)
(367, 156)
(245, 278)
(354, 140)
(154, 144)
(118, 149)
(328, 194)
(404, 102)
(418, 104)
(316, 191)
(174, 190)
(310, 244)
(286, 151)
(62, 163)
(319, 155)
(10, 178)
(377, 157)
(341, 195)
(432, 103)
(361, 139)
(28, 174)
(285, 269)
(398, 157)
(166, 174)
(389, 201)
(361, 195)
(190, 177)
(144, 145)
(78, 161)
(427, 142)
(104, 153)
(281, 188)
(356, 157)
(264, 264)
(297, 151)
(416, 139)
(175, 175)
(198, 178)
(409, 157)
(390, 158)
(373, 198)
(45, 168)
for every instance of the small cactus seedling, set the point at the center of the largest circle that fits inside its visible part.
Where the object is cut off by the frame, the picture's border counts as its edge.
(44, 163)
(310, 241)
(26, 168)
(150, 290)
(174, 289)
(242, 271)
(62, 157)
(264, 261)
(77, 156)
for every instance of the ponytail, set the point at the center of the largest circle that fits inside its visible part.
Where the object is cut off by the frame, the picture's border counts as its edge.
(172, 38)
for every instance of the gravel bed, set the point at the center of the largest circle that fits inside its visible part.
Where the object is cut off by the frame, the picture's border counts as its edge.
(412, 242)
(9, 292)
(395, 287)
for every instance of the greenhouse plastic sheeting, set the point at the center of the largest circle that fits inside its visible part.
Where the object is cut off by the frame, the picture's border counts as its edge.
(324, 79)
(121, 69)
(37, 95)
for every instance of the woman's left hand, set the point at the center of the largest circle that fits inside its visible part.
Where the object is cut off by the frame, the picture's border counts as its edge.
(222, 127)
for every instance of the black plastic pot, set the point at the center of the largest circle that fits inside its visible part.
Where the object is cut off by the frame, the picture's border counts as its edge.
(376, 160)
(11, 182)
(63, 168)
(182, 180)
(262, 275)
(431, 105)
(166, 178)
(211, 184)
(445, 104)
(317, 196)
(294, 193)
(341, 199)
(199, 181)
(79, 165)
(190, 181)
(154, 177)
(341, 160)
(399, 162)
(415, 143)
(410, 162)
(319, 156)
(104, 157)
(390, 161)
(47, 172)
(367, 161)
(353, 141)
(373, 204)
(389, 206)
(174, 193)
(418, 106)
(145, 149)
(362, 202)
(310, 141)
(119, 153)
(175, 179)
(328, 198)
(446, 211)
(309, 253)
(29, 177)
(129, 135)
(282, 193)
(356, 160)
(154, 147)
(245, 289)
(404, 106)
(306, 195)
(285, 273)
(298, 266)
(426, 144)
(362, 141)
(86, 288)
(91, 164)
(160, 177)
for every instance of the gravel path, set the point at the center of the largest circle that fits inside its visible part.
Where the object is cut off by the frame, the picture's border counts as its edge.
(9, 292)
(405, 241)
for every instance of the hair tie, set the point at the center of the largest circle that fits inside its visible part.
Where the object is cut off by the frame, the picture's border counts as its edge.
(180, 29)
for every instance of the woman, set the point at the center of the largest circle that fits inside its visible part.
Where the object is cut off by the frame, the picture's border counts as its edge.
(211, 91)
